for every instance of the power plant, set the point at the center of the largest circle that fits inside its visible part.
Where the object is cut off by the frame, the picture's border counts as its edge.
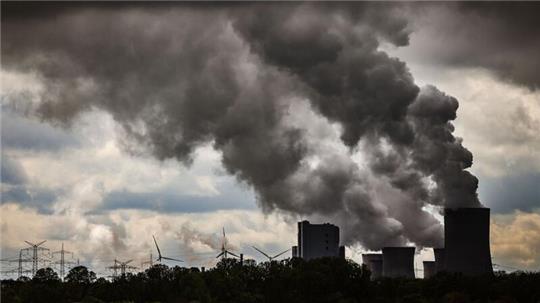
(317, 240)
(374, 263)
(440, 262)
(466, 249)
(430, 269)
(466, 241)
(398, 262)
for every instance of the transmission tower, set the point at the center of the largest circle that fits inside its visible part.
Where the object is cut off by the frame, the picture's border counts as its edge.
(62, 262)
(123, 267)
(19, 270)
(35, 249)
(150, 262)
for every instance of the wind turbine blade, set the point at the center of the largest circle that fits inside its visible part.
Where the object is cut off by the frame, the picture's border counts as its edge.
(41, 243)
(158, 251)
(128, 261)
(31, 244)
(230, 253)
(262, 252)
(280, 253)
(221, 254)
(172, 259)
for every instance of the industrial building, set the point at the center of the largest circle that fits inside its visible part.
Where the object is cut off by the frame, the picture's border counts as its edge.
(466, 247)
(374, 263)
(317, 240)
(430, 269)
(440, 262)
(398, 262)
(466, 241)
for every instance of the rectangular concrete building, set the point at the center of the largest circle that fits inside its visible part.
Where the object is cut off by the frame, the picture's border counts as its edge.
(318, 240)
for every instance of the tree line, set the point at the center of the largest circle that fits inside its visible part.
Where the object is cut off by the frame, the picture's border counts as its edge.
(291, 280)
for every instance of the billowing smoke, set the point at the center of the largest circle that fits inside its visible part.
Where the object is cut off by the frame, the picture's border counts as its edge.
(269, 85)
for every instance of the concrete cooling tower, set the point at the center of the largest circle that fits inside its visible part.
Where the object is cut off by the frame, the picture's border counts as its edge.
(466, 237)
(430, 269)
(398, 262)
(374, 263)
(440, 260)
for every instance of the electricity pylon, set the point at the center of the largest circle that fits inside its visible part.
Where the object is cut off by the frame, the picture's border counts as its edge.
(62, 262)
(122, 266)
(35, 248)
(150, 262)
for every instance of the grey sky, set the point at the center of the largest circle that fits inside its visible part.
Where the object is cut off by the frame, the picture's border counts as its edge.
(169, 120)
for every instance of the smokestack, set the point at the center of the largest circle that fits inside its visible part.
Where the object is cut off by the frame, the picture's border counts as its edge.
(398, 262)
(374, 263)
(439, 259)
(466, 236)
(430, 269)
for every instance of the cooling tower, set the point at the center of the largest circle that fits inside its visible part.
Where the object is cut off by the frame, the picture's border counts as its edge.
(374, 263)
(466, 237)
(430, 269)
(398, 262)
(439, 259)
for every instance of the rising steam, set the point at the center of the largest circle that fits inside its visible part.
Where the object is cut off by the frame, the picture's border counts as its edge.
(177, 78)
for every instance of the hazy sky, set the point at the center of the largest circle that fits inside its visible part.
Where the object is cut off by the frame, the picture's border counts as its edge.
(119, 122)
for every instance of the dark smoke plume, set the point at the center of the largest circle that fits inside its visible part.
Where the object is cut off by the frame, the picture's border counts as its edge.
(267, 84)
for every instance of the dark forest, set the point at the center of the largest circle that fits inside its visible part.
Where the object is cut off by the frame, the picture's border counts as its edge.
(291, 280)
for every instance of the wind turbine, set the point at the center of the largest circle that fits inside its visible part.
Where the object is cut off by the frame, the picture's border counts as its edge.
(160, 257)
(224, 251)
(270, 258)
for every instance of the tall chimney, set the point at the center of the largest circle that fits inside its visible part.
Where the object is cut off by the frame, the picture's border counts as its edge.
(398, 262)
(466, 237)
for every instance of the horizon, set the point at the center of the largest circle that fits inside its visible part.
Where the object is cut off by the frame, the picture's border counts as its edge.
(122, 121)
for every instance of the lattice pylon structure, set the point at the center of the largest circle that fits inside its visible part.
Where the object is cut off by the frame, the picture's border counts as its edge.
(20, 269)
(62, 262)
(121, 267)
(149, 262)
(36, 251)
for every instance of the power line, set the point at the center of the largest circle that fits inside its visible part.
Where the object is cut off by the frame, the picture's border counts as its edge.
(62, 262)
(36, 258)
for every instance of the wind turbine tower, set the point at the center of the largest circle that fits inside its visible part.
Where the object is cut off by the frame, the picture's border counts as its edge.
(224, 250)
(161, 257)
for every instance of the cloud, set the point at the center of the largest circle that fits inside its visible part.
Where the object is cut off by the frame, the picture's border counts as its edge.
(505, 194)
(127, 234)
(515, 240)
(224, 78)
(12, 171)
(17, 188)
(499, 37)
(171, 202)
(19, 132)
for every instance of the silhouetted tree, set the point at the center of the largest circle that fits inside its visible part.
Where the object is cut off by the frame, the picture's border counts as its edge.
(46, 275)
(80, 274)
(325, 280)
